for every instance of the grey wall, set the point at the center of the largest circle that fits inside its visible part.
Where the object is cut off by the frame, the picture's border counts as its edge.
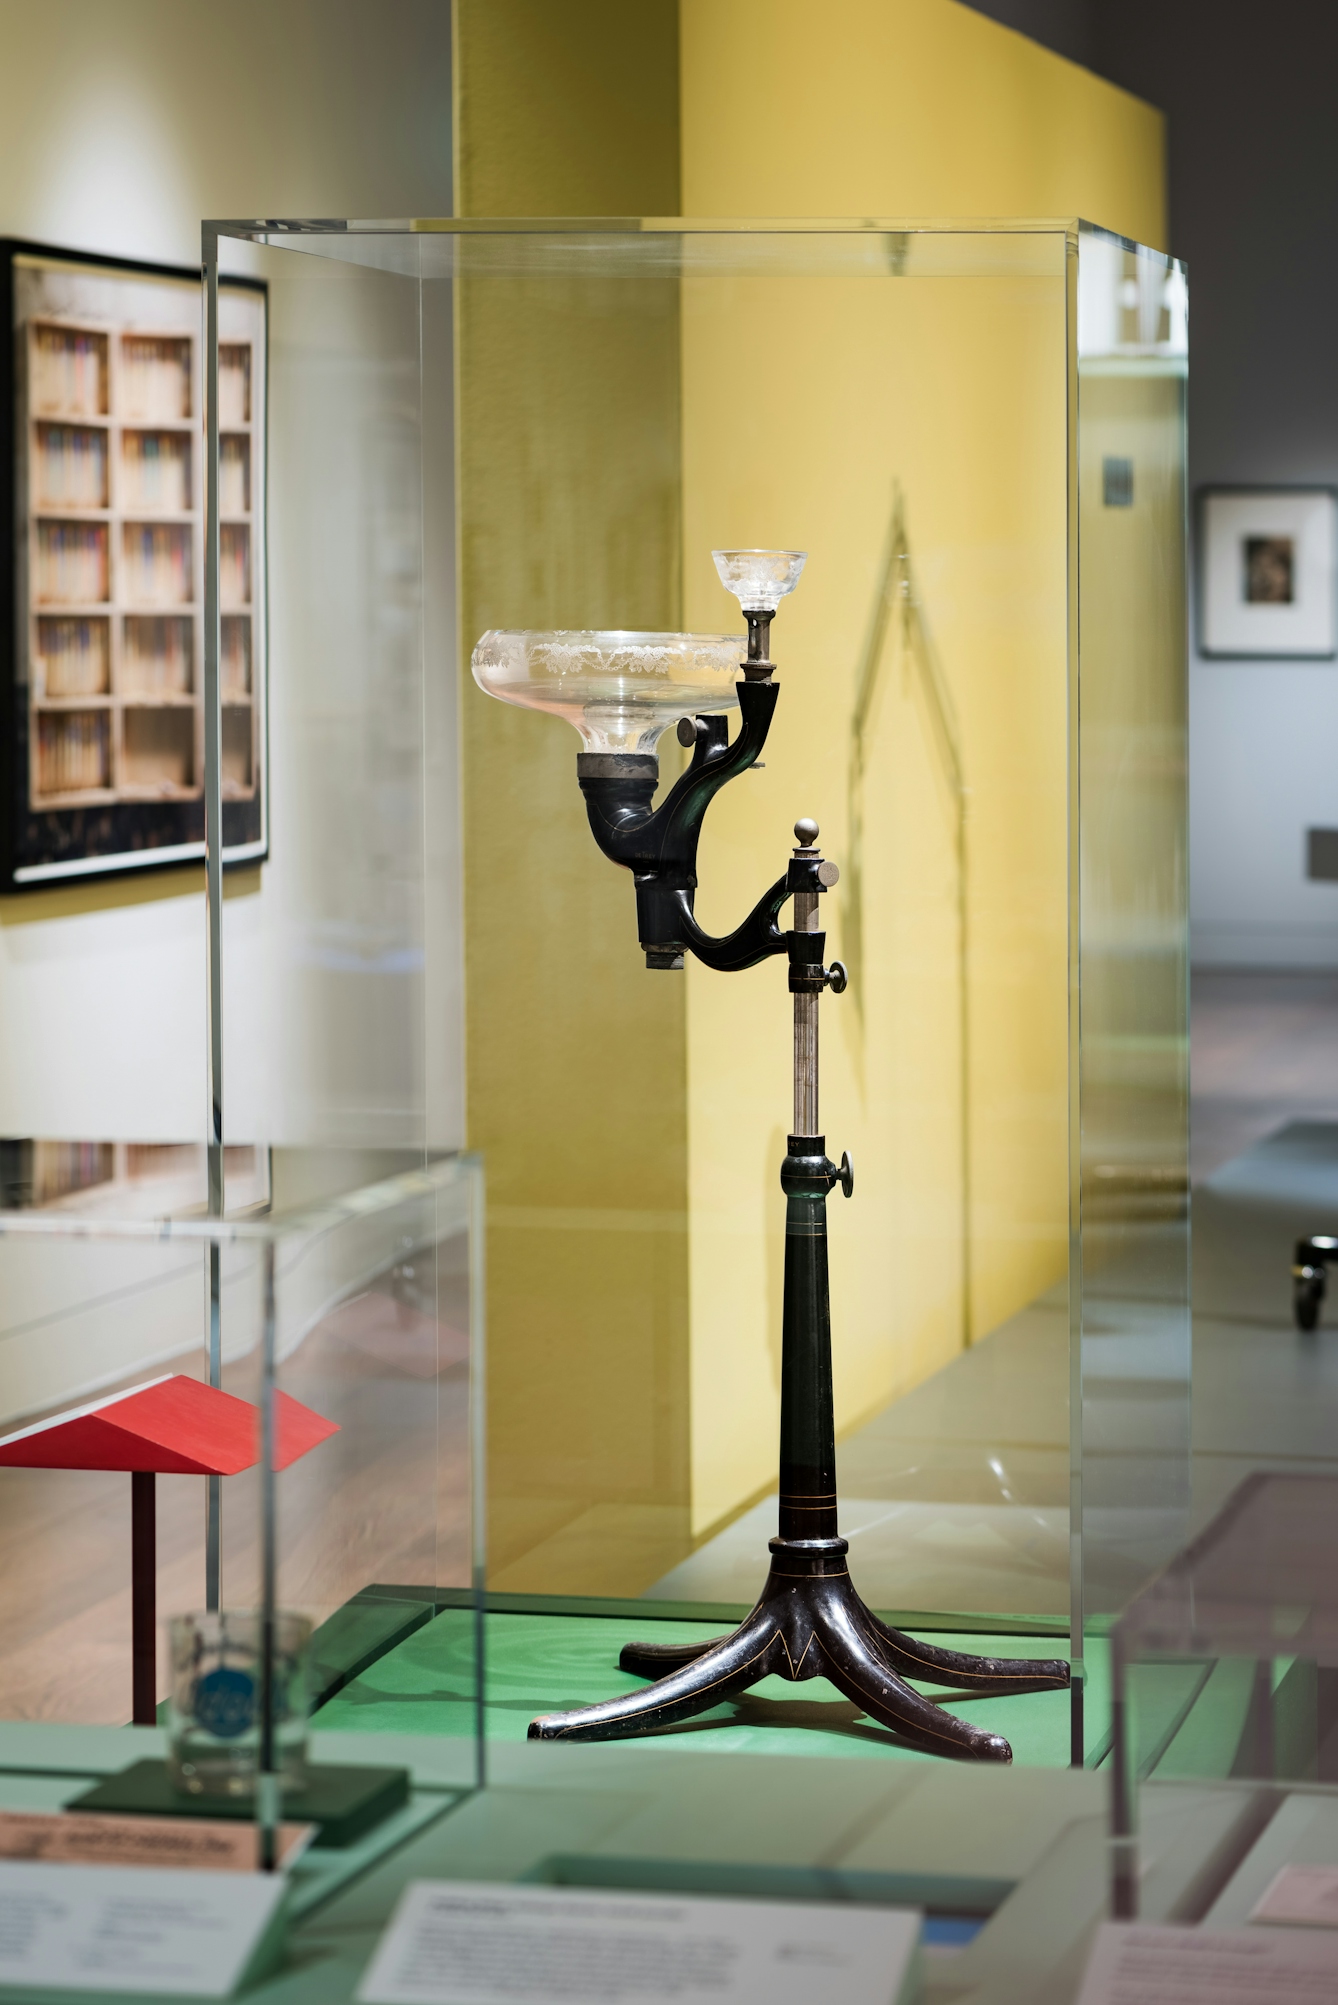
(1252, 106)
(1066, 26)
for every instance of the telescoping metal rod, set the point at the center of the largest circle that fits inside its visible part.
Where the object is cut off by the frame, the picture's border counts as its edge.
(806, 1030)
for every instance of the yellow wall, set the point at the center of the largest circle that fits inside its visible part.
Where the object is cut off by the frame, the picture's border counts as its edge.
(633, 1123)
(900, 108)
(905, 108)
(952, 391)
(1133, 788)
(569, 516)
(566, 110)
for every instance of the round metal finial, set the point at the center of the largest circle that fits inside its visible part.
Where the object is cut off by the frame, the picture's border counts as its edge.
(806, 832)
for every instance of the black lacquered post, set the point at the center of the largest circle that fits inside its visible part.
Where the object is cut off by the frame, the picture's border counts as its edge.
(807, 1427)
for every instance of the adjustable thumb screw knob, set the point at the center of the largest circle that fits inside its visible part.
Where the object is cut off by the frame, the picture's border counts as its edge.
(847, 1174)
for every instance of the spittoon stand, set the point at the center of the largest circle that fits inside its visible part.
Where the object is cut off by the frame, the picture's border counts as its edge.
(808, 1622)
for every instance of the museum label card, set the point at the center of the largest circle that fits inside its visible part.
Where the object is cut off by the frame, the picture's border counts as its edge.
(196, 1843)
(1131, 1965)
(135, 1931)
(457, 1943)
(1306, 1896)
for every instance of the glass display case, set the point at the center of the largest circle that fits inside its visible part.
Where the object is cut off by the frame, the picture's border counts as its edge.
(306, 1428)
(1226, 1715)
(241, 1345)
(540, 431)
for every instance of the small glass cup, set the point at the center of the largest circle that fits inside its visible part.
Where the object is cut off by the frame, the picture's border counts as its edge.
(214, 1725)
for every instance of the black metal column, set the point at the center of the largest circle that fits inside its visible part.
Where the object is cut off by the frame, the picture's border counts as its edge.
(807, 1424)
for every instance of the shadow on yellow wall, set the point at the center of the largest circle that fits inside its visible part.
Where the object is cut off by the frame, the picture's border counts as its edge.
(804, 400)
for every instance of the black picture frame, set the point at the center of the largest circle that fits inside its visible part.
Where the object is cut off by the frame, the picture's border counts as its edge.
(1250, 636)
(41, 847)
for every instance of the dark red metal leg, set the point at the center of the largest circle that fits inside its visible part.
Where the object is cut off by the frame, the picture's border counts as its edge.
(143, 1597)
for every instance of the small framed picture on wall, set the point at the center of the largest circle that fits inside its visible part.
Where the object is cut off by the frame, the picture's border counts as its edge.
(1268, 566)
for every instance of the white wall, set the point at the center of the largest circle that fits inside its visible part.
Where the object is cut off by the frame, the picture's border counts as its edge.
(1263, 769)
(122, 124)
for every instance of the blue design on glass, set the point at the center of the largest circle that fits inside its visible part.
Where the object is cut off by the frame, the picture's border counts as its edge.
(225, 1702)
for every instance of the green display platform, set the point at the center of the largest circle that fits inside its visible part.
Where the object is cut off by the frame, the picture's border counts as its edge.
(539, 1663)
(359, 1632)
(1019, 1856)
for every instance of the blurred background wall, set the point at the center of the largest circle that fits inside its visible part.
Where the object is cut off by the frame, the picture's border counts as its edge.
(122, 124)
(1251, 101)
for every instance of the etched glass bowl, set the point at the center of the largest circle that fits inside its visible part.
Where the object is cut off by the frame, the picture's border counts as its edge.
(759, 579)
(620, 689)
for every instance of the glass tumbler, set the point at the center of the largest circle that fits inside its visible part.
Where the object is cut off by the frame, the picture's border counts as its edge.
(214, 1710)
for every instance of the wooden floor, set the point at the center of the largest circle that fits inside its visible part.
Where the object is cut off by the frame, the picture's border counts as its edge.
(387, 1498)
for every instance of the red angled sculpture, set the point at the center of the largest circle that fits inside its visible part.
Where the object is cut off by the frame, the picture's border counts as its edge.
(173, 1426)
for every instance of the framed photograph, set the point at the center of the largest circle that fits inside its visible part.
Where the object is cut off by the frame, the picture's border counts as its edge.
(102, 567)
(1267, 572)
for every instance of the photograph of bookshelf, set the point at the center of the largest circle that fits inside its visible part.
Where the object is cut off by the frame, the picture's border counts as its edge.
(136, 1179)
(104, 757)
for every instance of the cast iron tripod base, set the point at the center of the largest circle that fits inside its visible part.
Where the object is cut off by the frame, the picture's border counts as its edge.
(810, 1623)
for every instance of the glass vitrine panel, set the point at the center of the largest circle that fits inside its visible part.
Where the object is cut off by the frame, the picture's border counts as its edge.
(976, 434)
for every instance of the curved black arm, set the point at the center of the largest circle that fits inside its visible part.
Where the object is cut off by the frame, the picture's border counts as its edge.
(714, 762)
(757, 938)
(659, 847)
(619, 789)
